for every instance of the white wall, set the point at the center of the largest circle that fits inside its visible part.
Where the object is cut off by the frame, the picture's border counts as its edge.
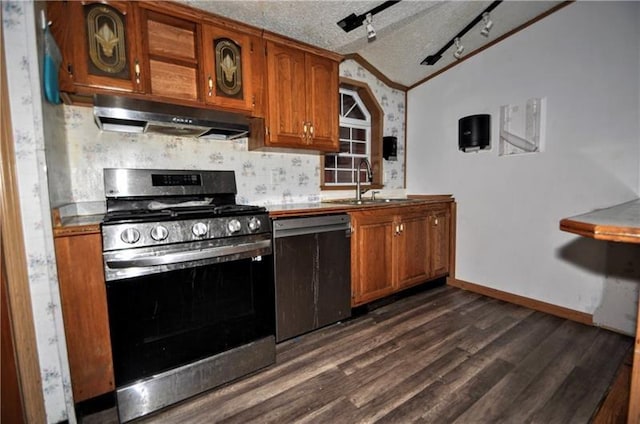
(584, 60)
(23, 50)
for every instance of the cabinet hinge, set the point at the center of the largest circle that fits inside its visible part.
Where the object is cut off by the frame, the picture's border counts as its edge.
(266, 130)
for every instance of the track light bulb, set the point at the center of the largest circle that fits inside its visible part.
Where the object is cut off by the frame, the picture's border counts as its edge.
(371, 32)
(459, 48)
(488, 24)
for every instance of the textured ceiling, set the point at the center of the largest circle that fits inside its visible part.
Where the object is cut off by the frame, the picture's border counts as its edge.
(407, 32)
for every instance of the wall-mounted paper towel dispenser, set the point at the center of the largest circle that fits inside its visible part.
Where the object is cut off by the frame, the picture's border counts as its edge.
(390, 148)
(474, 132)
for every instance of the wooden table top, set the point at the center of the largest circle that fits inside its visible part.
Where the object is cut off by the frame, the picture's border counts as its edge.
(616, 223)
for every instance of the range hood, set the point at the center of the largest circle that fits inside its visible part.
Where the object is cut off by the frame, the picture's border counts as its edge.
(129, 115)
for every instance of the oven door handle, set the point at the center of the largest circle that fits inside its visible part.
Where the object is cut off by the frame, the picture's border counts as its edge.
(186, 256)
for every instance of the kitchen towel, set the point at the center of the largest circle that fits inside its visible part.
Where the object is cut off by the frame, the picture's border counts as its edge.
(52, 60)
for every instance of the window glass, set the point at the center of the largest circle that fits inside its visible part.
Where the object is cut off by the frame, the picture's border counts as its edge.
(355, 141)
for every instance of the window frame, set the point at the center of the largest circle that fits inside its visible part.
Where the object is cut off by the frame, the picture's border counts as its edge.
(376, 130)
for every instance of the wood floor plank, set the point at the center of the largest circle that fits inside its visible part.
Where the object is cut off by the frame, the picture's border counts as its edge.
(436, 397)
(552, 350)
(468, 393)
(437, 356)
(586, 384)
(295, 402)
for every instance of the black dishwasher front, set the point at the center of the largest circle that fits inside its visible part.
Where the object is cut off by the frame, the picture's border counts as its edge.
(312, 267)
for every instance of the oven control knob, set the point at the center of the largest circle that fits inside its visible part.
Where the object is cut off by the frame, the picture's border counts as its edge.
(234, 226)
(199, 229)
(130, 235)
(254, 224)
(159, 233)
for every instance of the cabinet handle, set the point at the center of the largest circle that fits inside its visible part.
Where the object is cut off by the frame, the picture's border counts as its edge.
(210, 82)
(137, 68)
(304, 132)
(435, 221)
(311, 128)
(401, 228)
(253, 101)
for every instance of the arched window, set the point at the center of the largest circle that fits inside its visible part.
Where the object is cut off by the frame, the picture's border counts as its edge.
(360, 137)
(355, 141)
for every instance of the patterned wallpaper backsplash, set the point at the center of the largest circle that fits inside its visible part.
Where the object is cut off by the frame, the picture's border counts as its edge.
(261, 177)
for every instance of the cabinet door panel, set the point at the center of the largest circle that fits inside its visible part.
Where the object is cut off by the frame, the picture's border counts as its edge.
(169, 55)
(171, 80)
(84, 310)
(287, 100)
(439, 241)
(413, 250)
(322, 102)
(106, 45)
(371, 265)
(170, 41)
(228, 58)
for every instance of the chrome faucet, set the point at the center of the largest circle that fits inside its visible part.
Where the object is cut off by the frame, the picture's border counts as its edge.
(360, 192)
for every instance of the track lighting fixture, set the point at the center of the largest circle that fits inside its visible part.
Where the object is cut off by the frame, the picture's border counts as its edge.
(459, 49)
(371, 32)
(432, 59)
(353, 21)
(487, 24)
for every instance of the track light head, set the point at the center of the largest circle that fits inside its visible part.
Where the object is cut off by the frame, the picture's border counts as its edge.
(371, 32)
(488, 24)
(459, 48)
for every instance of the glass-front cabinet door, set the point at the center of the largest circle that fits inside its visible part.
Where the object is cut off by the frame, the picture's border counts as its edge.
(228, 68)
(107, 56)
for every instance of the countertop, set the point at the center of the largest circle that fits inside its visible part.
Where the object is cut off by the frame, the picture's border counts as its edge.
(616, 223)
(87, 224)
(343, 205)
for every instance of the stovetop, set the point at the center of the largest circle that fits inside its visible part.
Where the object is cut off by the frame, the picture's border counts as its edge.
(182, 212)
(156, 208)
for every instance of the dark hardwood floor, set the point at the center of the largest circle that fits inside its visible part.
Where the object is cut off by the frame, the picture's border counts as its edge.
(439, 356)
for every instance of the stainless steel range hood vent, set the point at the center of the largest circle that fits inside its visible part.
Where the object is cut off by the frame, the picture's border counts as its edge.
(128, 115)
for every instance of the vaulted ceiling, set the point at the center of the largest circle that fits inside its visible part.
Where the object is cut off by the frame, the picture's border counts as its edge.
(407, 32)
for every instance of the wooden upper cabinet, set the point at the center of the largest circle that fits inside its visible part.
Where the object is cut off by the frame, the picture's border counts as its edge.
(287, 114)
(98, 44)
(228, 63)
(322, 102)
(302, 90)
(170, 55)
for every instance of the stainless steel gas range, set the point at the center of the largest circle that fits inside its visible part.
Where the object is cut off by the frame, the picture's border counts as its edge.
(189, 285)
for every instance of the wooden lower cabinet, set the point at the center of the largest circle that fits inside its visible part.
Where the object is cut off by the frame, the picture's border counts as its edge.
(84, 310)
(439, 240)
(396, 248)
(372, 243)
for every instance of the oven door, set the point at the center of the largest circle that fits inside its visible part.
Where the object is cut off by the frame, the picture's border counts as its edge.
(164, 320)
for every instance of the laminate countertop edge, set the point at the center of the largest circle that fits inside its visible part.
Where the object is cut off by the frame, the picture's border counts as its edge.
(620, 223)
